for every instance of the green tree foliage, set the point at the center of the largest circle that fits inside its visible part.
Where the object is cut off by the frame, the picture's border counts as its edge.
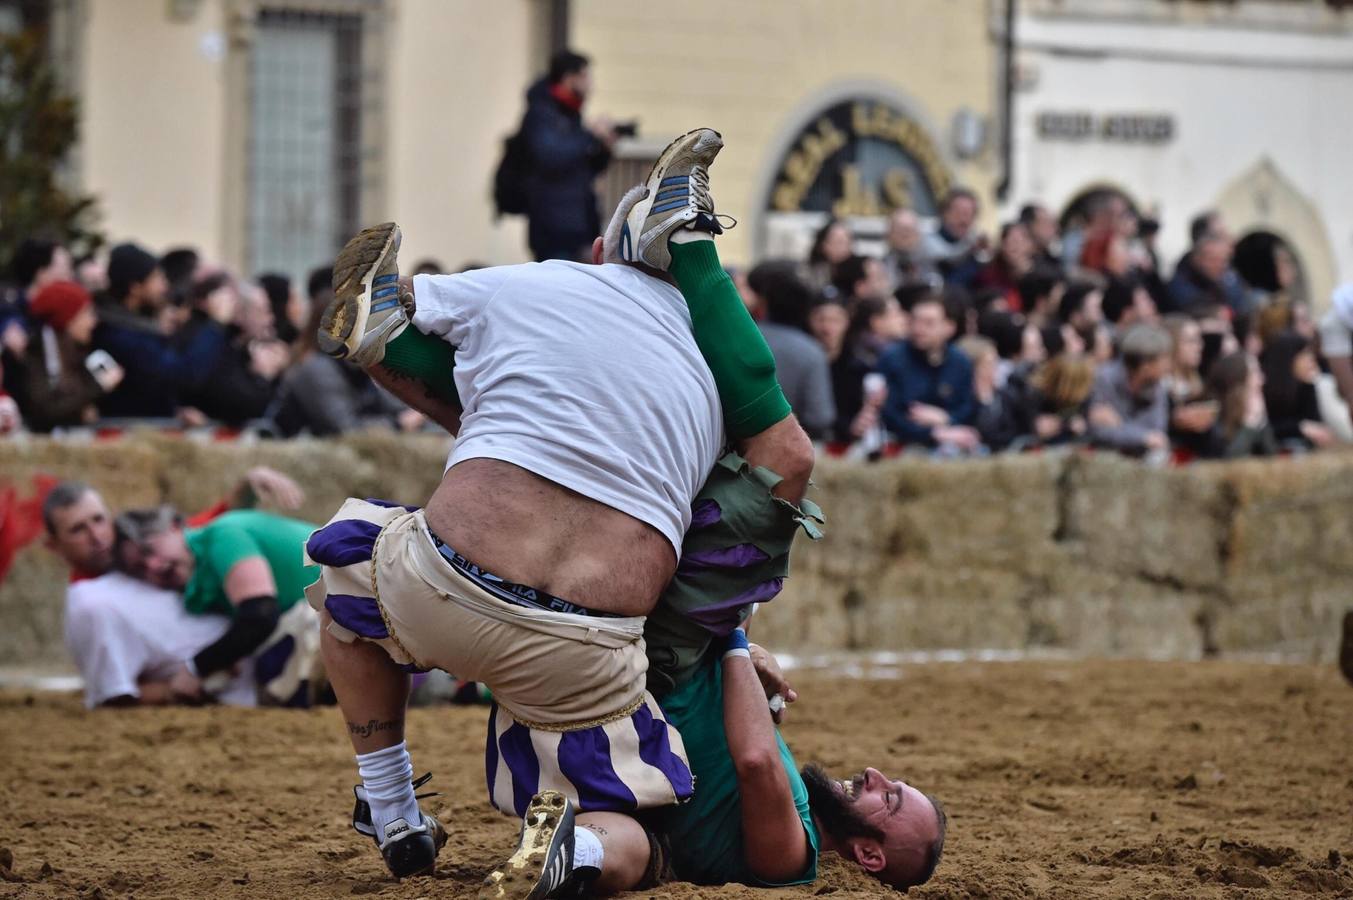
(38, 126)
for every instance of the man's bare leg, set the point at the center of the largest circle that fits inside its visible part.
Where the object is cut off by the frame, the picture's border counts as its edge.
(626, 851)
(373, 693)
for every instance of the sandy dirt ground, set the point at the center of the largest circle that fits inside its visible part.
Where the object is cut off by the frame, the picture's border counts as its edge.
(1062, 780)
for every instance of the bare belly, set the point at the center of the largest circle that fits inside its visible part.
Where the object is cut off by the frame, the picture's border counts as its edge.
(527, 529)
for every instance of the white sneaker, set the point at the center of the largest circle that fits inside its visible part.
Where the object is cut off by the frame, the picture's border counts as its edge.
(677, 197)
(368, 309)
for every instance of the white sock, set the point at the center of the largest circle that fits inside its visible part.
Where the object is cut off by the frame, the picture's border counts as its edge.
(587, 849)
(388, 777)
(686, 236)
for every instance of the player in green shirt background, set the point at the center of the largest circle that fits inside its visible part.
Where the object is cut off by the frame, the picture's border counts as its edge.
(246, 565)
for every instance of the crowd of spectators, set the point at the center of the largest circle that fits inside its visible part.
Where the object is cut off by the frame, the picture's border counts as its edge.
(176, 342)
(955, 343)
(949, 342)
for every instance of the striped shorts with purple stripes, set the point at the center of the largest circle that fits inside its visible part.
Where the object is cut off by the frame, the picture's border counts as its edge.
(571, 712)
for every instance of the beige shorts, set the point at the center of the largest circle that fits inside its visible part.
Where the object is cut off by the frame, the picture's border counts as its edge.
(574, 712)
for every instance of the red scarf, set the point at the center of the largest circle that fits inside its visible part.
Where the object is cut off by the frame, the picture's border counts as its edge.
(566, 97)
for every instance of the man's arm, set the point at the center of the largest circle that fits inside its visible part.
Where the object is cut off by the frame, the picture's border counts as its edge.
(417, 396)
(251, 590)
(773, 839)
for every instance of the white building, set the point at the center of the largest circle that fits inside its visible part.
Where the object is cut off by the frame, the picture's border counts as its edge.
(1245, 107)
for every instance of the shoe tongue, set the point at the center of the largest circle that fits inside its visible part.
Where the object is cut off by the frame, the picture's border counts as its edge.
(706, 222)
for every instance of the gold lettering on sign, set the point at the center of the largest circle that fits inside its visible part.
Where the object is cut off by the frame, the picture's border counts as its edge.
(855, 199)
(896, 189)
(804, 164)
(867, 119)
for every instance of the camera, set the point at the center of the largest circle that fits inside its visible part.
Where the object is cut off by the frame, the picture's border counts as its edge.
(627, 129)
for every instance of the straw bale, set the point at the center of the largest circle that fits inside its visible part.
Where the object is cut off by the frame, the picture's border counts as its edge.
(1159, 524)
(1278, 614)
(1098, 613)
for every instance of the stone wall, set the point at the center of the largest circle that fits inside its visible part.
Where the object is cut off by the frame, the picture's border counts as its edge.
(1089, 554)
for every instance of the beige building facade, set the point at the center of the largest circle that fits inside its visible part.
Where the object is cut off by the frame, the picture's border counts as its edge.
(260, 131)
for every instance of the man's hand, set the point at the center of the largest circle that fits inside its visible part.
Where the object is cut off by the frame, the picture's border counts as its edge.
(110, 377)
(410, 420)
(867, 418)
(271, 488)
(192, 417)
(10, 419)
(1195, 418)
(185, 686)
(960, 436)
(1317, 433)
(1156, 440)
(772, 679)
(603, 129)
(1047, 426)
(15, 338)
(928, 416)
(1102, 415)
(267, 359)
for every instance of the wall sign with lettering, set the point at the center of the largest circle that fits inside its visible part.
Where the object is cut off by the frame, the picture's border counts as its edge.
(1122, 128)
(861, 158)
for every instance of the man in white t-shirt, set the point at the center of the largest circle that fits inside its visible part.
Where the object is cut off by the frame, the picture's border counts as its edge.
(588, 420)
(130, 640)
(1336, 340)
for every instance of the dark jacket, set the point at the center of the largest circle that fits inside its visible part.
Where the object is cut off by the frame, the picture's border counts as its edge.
(1288, 409)
(157, 371)
(323, 396)
(1193, 293)
(848, 371)
(912, 379)
(233, 392)
(50, 399)
(565, 160)
(1246, 441)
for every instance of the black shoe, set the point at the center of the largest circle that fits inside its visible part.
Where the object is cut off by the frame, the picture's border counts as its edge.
(411, 849)
(542, 866)
(408, 849)
(1346, 647)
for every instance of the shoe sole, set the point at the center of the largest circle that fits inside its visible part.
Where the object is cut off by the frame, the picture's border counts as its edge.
(520, 877)
(354, 271)
(658, 172)
(665, 157)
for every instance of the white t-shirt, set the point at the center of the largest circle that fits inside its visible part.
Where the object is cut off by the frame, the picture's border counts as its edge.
(588, 376)
(119, 630)
(1336, 338)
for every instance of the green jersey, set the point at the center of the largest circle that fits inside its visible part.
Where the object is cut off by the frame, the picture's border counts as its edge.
(705, 833)
(220, 544)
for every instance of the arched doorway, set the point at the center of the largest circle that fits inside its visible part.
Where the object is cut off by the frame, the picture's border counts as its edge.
(1078, 210)
(1263, 199)
(855, 152)
(1269, 263)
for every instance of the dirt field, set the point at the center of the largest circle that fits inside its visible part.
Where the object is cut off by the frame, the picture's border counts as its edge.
(1062, 780)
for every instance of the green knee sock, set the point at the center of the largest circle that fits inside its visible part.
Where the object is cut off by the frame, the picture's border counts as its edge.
(742, 365)
(426, 358)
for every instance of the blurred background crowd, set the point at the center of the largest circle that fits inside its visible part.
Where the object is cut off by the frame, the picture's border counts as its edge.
(968, 228)
(951, 341)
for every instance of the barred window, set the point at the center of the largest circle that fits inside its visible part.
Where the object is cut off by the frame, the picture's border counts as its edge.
(305, 147)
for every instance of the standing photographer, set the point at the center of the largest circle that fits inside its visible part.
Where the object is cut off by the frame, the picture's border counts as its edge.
(59, 380)
(566, 157)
